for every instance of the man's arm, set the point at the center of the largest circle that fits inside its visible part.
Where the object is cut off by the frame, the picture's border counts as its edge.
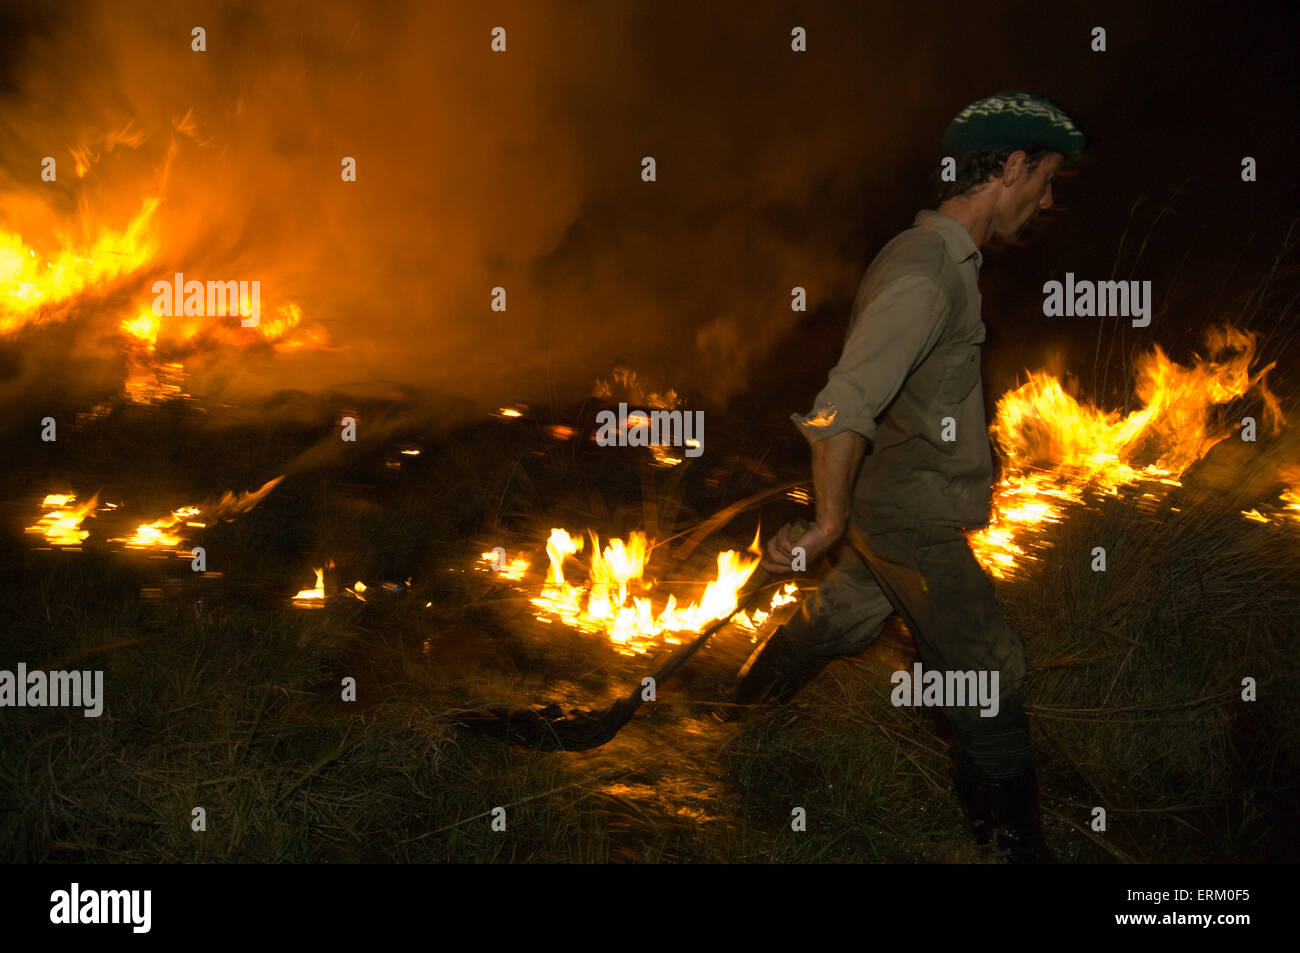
(835, 462)
(894, 331)
(834, 465)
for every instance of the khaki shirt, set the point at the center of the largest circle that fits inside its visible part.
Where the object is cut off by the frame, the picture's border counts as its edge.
(909, 370)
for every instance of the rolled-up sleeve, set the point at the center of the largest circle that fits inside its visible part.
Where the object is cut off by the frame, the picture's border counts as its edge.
(892, 333)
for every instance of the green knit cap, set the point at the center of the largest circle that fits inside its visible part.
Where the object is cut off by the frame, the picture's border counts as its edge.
(1013, 120)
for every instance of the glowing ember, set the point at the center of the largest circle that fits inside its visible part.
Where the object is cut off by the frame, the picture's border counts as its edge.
(664, 455)
(1057, 449)
(822, 418)
(364, 593)
(626, 387)
(61, 526)
(495, 562)
(753, 621)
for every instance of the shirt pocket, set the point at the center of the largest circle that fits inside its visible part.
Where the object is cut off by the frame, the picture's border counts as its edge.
(961, 374)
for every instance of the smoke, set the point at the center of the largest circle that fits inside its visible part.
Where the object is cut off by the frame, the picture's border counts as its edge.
(479, 169)
(475, 170)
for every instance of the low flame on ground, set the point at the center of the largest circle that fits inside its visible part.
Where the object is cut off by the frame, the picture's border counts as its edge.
(1058, 449)
(312, 598)
(615, 600)
(160, 534)
(495, 562)
(753, 621)
(163, 534)
(315, 597)
(61, 526)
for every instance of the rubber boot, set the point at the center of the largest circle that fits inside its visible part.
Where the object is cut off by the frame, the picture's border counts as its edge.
(1005, 809)
(777, 671)
(1022, 841)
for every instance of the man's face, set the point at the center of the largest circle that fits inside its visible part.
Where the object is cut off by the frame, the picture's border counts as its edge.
(1024, 192)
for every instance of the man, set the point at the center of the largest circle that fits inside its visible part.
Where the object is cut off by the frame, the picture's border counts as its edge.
(908, 382)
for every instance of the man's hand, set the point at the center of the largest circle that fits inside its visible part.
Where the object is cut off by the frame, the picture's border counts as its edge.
(816, 540)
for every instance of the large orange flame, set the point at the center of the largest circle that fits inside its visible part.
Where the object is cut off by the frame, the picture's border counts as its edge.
(33, 286)
(1057, 448)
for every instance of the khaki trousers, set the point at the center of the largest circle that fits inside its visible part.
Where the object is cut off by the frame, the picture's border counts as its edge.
(930, 577)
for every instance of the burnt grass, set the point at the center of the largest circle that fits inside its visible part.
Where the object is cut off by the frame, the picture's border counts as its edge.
(221, 695)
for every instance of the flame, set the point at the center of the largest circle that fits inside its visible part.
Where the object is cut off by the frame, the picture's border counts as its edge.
(753, 621)
(162, 533)
(513, 570)
(28, 281)
(626, 387)
(312, 598)
(664, 456)
(1291, 496)
(1289, 499)
(615, 599)
(61, 526)
(232, 504)
(143, 326)
(1057, 449)
(33, 286)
